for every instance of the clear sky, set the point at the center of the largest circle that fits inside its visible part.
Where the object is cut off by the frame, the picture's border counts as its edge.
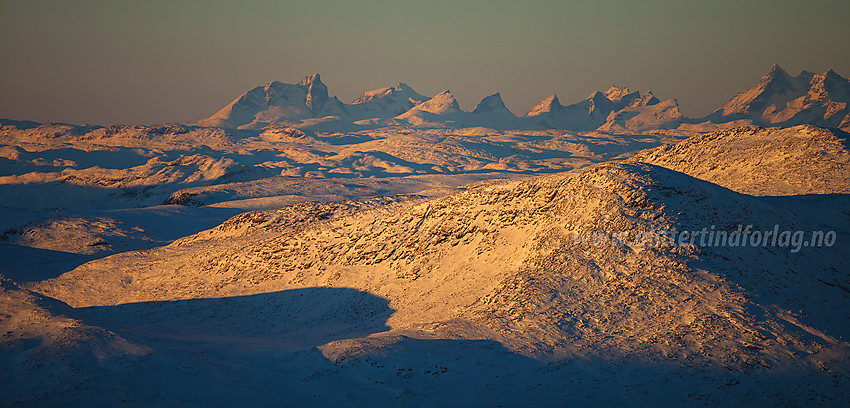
(153, 61)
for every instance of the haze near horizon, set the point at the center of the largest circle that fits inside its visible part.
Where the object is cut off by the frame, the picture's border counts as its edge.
(102, 62)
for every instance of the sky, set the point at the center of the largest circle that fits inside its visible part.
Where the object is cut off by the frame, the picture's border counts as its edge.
(153, 61)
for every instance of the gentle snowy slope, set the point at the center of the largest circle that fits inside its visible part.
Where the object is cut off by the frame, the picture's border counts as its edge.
(792, 161)
(71, 167)
(499, 262)
(50, 357)
(71, 194)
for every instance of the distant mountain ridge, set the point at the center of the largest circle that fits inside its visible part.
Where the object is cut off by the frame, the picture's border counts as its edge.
(777, 100)
(782, 100)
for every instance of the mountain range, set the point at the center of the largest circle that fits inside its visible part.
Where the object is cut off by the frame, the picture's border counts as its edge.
(779, 99)
(425, 255)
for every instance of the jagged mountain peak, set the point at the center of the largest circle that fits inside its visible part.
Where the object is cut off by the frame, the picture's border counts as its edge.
(547, 105)
(434, 109)
(445, 94)
(317, 93)
(492, 104)
(597, 95)
(596, 105)
(375, 94)
(444, 97)
(830, 91)
(831, 75)
(647, 99)
(775, 69)
(780, 99)
(492, 100)
(404, 90)
(776, 82)
(777, 99)
(311, 79)
(444, 102)
(616, 93)
(553, 99)
(778, 78)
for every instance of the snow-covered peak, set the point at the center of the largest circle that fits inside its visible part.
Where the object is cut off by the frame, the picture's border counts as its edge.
(403, 91)
(547, 105)
(616, 93)
(599, 102)
(755, 161)
(311, 79)
(837, 86)
(776, 80)
(780, 99)
(776, 70)
(597, 95)
(492, 104)
(374, 94)
(777, 99)
(647, 99)
(317, 93)
(776, 83)
(441, 104)
(591, 112)
(410, 92)
(806, 74)
(831, 91)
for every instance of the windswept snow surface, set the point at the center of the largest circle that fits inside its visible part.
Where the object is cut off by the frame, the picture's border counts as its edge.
(69, 188)
(416, 267)
(774, 161)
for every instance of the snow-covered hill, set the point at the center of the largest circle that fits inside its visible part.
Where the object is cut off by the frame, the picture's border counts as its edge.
(441, 108)
(524, 271)
(50, 357)
(65, 166)
(82, 190)
(775, 161)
